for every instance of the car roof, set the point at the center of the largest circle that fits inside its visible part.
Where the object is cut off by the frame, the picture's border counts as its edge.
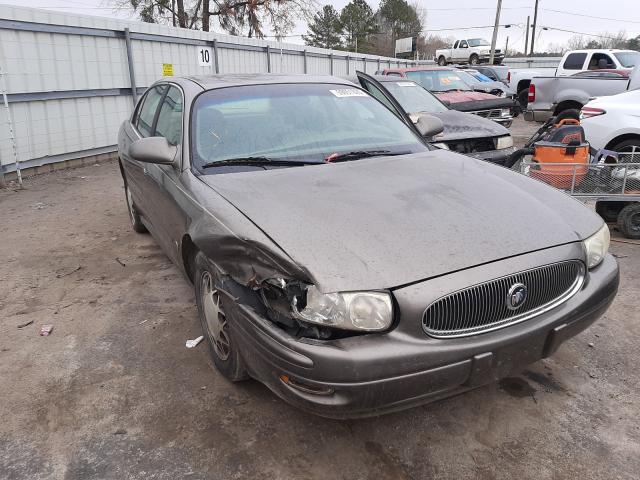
(210, 82)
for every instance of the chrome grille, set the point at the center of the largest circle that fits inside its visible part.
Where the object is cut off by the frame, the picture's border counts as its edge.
(483, 307)
(494, 113)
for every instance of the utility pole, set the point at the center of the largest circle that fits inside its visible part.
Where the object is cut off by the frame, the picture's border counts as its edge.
(506, 47)
(526, 37)
(533, 30)
(495, 32)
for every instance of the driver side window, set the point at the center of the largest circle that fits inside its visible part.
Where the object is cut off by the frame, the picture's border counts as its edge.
(463, 44)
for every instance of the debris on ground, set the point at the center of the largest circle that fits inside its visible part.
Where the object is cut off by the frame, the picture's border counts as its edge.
(46, 330)
(143, 321)
(60, 275)
(25, 324)
(39, 206)
(120, 262)
(591, 344)
(194, 342)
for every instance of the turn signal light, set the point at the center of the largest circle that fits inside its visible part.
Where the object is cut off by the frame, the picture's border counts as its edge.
(305, 387)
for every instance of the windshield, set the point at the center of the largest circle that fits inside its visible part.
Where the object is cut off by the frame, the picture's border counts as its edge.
(480, 77)
(628, 59)
(479, 42)
(413, 98)
(438, 80)
(306, 122)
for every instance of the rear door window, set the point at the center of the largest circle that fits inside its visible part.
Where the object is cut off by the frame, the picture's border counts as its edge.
(574, 61)
(147, 111)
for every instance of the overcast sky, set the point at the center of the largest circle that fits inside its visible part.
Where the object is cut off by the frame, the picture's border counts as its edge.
(597, 16)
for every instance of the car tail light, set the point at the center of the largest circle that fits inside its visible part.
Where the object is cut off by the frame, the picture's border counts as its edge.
(532, 94)
(588, 112)
(508, 77)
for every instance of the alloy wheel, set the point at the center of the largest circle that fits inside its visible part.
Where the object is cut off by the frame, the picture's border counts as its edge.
(215, 317)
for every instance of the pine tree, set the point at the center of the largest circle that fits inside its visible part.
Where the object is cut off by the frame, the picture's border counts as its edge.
(324, 30)
(358, 23)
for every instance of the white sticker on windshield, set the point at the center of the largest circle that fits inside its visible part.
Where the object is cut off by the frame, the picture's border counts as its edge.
(348, 92)
(406, 84)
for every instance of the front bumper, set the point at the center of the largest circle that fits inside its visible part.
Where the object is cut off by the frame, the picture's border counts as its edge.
(379, 373)
(537, 115)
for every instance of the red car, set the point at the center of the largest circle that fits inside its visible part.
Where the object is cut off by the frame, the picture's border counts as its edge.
(449, 87)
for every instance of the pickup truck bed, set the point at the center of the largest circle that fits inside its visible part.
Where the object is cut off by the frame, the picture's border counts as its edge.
(549, 96)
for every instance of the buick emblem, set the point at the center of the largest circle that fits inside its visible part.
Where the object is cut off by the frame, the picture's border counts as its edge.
(517, 296)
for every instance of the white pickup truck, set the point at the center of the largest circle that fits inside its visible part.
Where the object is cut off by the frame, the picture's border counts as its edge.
(572, 63)
(549, 96)
(469, 50)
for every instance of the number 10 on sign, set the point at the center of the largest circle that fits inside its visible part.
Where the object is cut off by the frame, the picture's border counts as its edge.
(205, 56)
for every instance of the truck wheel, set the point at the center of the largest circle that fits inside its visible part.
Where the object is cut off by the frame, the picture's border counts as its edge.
(474, 59)
(609, 211)
(214, 319)
(497, 61)
(442, 61)
(629, 221)
(523, 98)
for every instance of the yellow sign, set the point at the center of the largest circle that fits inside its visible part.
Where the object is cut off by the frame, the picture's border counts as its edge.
(167, 69)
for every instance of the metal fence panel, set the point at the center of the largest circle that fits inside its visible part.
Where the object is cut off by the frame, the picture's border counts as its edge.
(69, 82)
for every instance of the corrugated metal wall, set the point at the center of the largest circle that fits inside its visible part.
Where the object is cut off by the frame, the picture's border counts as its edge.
(47, 57)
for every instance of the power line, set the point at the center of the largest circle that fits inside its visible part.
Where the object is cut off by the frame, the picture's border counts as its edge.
(590, 16)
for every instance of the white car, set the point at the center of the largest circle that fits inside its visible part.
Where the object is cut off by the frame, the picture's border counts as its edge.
(613, 123)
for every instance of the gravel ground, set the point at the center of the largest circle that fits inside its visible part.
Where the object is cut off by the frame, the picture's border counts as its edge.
(113, 393)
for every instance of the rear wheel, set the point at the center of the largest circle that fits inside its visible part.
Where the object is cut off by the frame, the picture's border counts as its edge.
(214, 318)
(474, 59)
(629, 221)
(134, 216)
(442, 61)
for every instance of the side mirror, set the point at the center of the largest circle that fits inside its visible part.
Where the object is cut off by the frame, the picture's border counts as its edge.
(153, 150)
(428, 125)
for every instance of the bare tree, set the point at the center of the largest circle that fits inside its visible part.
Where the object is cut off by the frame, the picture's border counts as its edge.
(238, 17)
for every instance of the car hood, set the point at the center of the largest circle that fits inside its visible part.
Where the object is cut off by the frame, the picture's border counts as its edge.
(463, 96)
(384, 222)
(488, 87)
(461, 125)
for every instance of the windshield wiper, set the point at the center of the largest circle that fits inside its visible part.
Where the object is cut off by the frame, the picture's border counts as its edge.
(257, 160)
(355, 155)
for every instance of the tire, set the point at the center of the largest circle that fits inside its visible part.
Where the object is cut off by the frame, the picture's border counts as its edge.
(442, 61)
(609, 211)
(523, 98)
(629, 221)
(474, 59)
(627, 145)
(214, 320)
(134, 216)
(498, 61)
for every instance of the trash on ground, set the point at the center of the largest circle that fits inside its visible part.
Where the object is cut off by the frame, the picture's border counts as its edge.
(143, 321)
(120, 262)
(194, 342)
(591, 345)
(60, 275)
(25, 324)
(46, 330)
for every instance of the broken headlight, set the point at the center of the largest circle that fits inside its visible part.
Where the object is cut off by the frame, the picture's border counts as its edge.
(363, 311)
(504, 142)
(597, 246)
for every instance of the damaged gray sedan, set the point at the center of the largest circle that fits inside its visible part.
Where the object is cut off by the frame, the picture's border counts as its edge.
(339, 259)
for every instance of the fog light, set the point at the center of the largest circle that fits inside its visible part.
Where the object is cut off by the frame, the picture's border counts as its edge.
(305, 387)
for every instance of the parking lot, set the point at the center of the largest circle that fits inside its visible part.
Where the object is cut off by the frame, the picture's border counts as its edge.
(113, 393)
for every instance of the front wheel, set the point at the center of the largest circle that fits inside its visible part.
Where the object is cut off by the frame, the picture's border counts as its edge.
(474, 59)
(214, 319)
(442, 61)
